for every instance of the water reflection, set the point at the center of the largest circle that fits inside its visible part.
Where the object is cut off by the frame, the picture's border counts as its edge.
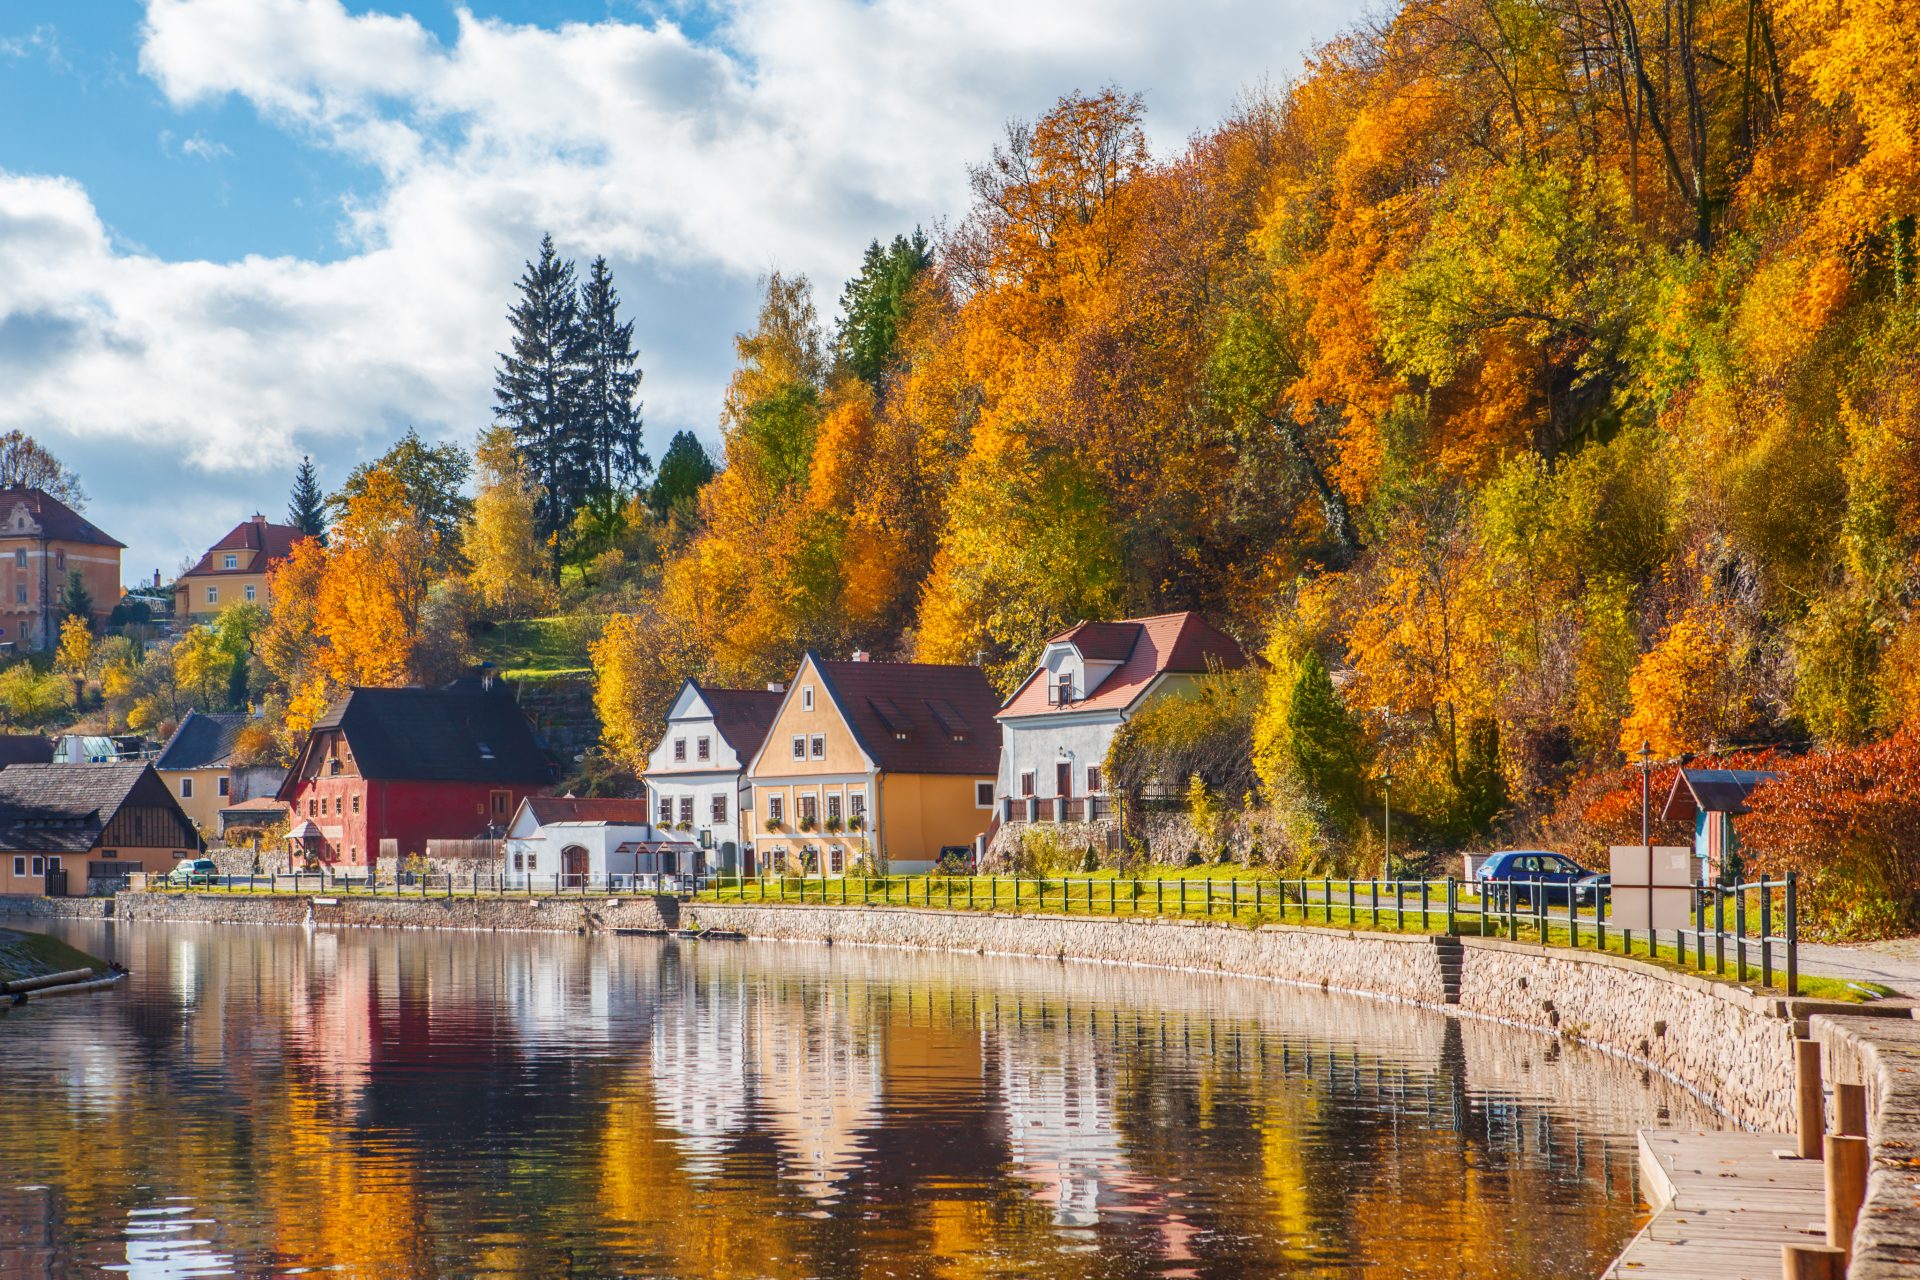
(422, 1104)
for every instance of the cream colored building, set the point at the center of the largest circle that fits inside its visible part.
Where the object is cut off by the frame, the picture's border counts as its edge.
(43, 543)
(890, 763)
(233, 571)
(198, 767)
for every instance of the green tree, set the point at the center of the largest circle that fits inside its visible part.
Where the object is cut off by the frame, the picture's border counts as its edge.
(307, 506)
(684, 469)
(1325, 745)
(537, 389)
(76, 601)
(607, 430)
(876, 303)
(433, 477)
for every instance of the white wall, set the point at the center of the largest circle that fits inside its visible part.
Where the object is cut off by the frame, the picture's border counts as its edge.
(688, 721)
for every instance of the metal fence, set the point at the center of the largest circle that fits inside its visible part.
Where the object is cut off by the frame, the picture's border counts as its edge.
(434, 884)
(1748, 931)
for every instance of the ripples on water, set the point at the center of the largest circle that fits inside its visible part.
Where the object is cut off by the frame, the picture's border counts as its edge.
(418, 1104)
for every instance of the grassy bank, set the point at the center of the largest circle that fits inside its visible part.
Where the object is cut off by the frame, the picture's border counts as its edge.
(29, 955)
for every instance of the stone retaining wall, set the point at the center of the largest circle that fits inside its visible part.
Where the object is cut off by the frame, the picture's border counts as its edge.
(1732, 1048)
(536, 915)
(38, 908)
(1884, 1055)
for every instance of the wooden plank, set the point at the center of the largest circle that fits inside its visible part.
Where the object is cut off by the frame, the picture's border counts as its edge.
(1725, 1203)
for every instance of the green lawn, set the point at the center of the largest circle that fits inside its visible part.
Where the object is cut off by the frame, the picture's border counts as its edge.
(536, 648)
(28, 955)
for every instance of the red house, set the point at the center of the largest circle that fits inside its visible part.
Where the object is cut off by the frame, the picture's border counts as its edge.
(412, 765)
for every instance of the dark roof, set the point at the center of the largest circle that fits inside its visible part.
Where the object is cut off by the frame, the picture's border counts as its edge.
(1167, 642)
(461, 734)
(256, 543)
(890, 706)
(63, 808)
(546, 809)
(204, 740)
(25, 748)
(56, 519)
(743, 716)
(1712, 790)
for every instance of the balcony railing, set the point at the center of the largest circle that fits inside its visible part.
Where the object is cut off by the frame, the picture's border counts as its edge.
(1017, 810)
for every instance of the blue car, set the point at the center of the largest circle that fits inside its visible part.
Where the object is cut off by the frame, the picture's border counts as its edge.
(1521, 873)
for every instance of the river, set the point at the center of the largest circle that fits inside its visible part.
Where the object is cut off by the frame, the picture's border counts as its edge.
(404, 1103)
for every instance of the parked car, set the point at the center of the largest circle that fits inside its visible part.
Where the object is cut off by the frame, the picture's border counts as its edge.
(1589, 891)
(1515, 873)
(192, 871)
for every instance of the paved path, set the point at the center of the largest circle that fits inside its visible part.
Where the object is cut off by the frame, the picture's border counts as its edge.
(1895, 964)
(1726, 1204)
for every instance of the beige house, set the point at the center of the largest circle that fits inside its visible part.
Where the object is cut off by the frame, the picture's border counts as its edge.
(233, 571)
(890, 763)
(198, 767)
(43, 542)
(66, 828)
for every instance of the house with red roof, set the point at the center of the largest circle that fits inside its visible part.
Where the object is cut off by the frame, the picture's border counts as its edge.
(568, 842)
(44, 543)
(233, 571)
(1092, 678)
(696, 776)
(886, 763)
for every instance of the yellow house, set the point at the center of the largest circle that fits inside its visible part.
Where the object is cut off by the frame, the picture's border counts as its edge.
(891, 763)
(198, 767)
(234, 570)
(43, 542)
(65, 828)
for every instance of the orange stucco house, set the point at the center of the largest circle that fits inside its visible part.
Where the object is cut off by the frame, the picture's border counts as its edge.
(43, 542)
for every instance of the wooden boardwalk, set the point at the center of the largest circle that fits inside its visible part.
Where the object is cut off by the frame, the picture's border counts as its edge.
(1724, 1203)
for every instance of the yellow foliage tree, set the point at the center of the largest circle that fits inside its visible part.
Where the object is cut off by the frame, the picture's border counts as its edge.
(506, 555)
(75, 655)
(1685, 694)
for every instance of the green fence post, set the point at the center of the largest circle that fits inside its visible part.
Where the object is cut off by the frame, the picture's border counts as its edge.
(1719, 931)
(1353, 910)
(1740, 933)
(1452, 902)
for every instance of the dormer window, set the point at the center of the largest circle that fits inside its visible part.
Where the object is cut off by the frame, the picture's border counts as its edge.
(230, 562)
(1060, 690)
(486, 752)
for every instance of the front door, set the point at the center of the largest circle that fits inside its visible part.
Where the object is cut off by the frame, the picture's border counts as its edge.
(1063, 778)
(573, 865)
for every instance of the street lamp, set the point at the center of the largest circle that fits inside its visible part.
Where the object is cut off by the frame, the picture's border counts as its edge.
(1646, 766)
(1386, 782)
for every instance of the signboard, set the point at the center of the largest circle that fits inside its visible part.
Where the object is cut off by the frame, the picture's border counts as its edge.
(1652, 886)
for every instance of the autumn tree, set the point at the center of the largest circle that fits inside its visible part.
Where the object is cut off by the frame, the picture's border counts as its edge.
(25, 463)
(505, 553)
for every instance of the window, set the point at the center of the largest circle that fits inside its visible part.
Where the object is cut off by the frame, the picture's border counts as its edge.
(20, 558)
(686, 810)
(223, 785)
(983, 795)
(356, 803)
(1093, 779)
(819, 746)
(485, 749)
(720, 807)
(666, 811)
(213, 595)
(250, 592)
(776, 809)
(806, 697)
(334, 766)
(20, 866)
(502, 801)
(857, 805)
(1064, 688)
(310, 806)
(339, 806)
(833, 808)
(186, 788)
(809, 809)
(60, 561)
(519, 861)
(679, 750)
(20, 593)
(230, 562)
(53, 864)
(39, 867)
(835, 860)
(703, 749)
(1026, 782)
(799, 746)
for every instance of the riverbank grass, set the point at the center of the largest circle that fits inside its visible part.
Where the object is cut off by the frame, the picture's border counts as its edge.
(30, 955)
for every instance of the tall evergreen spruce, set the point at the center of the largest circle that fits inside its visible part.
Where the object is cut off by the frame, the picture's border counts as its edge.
(306, 508)
(538, 386)
(608, 434)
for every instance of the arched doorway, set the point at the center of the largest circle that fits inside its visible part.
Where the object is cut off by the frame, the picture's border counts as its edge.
(573, 866)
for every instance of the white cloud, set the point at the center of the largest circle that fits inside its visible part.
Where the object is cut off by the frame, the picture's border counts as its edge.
(796, 132)
(201, 147)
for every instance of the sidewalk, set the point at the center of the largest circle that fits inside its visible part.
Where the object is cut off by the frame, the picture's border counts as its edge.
(1895, 963)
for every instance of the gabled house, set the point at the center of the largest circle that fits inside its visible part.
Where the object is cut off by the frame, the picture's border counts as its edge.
(43, 543)
(1711, 799)
(65, 828)
(696, 776)
(233, 571)
(1092, 678)
(198, 767)
(386, 770)
(569, 843)
(887, 762)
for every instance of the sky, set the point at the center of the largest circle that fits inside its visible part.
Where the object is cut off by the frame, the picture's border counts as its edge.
(233, 232)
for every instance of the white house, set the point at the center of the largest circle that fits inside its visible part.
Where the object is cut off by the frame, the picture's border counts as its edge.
(696, 777)
(560, 842)
(1091, 678)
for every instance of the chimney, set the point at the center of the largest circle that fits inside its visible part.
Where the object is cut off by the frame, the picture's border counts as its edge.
(776, 686)
(861, 655)
(156, 579)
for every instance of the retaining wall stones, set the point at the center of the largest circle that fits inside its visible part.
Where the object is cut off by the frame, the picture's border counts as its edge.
(1884, 1055)
(38, 908)
(537, 914)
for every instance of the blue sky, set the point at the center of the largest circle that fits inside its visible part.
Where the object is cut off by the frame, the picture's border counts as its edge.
(234, 231)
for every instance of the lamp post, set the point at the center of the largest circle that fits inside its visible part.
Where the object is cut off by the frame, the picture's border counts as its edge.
(1646, 766)
(1386, 783)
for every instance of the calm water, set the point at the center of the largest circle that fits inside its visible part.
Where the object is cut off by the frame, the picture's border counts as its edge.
(417, 1104)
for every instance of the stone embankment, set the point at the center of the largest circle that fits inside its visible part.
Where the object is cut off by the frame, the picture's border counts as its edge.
(526, 915)
(1884, 1056)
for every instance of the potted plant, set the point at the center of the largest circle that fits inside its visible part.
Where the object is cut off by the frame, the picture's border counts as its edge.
(773, 824)
(833, 824)
(806, 824)
(856, 823)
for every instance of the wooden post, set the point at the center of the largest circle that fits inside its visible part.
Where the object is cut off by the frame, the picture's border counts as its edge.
(1846, 1188)
(1812, 1262)
(1850, 1110)
(1808, 1098)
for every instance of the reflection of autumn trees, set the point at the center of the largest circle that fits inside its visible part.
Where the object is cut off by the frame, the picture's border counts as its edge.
(427, 1105)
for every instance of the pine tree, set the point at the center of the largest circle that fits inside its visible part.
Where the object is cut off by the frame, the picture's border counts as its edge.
(683, 470)
(607, 433)
(537, 388)
(876, 303)
(77, 601)
(305, 509)
(1325, 742)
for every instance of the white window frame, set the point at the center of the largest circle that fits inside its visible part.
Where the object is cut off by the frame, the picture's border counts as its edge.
(663, 811)
(230, 562)
(817, 746)
(833, 807)
(679, 750)
(250, 592)
(186, 788)
(686, 810)
(717, 807)
(857, 804)
(223, 786)
(1029, 783)
(213, 595)
(799, 746)
(703, 748)
(978, 785)
(20, 865)
(776, 809)
(39, 865)
(806, 697)
(1096, 780)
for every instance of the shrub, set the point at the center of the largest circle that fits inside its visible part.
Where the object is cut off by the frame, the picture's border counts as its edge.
(1207, 734)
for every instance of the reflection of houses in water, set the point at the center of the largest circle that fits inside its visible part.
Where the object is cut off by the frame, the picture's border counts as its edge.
(818, 1072)
(560, 997)
(699, 1060)
(330, 1016)
(1058, 1097)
